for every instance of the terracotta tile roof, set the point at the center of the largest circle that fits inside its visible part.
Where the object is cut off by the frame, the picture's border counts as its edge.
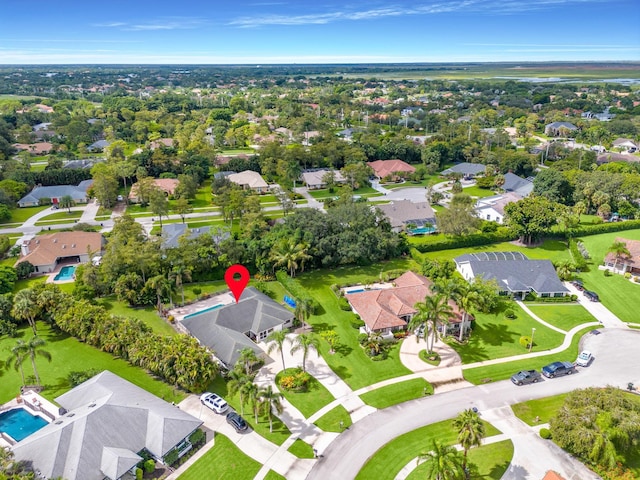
(46, 249)
(384, 168)
(551, 475)
(634, 249)
(168, 185)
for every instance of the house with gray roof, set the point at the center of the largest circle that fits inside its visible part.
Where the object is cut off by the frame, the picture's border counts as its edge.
(466, 169)
(98, 145)
(172, 232)
(402, 213)
(518, 185)
(514, 273)
(106, 423)
(55, 193)
(315, 178)
(555, 129)
(229, 329)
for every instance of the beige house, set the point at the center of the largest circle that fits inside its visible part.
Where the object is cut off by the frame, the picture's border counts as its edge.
(45, 252)
(167, 185)
(250, 180)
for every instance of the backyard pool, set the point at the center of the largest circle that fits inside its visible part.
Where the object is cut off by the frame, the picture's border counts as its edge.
(354, 290)
(66, 273)
(19, 424)
(422, 230)
(214, 307)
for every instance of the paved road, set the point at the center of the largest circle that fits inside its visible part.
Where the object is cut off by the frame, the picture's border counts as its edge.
(616, 363)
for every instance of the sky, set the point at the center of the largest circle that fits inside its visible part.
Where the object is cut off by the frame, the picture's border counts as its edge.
(317, 31)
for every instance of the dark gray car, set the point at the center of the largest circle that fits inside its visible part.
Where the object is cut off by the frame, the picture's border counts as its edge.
(558, 369)
(237, 422)
(524, 377)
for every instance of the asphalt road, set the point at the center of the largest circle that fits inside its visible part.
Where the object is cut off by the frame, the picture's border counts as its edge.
(616, 363)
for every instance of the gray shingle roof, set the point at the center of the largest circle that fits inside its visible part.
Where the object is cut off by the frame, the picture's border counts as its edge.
(109, 420)
(78, 193)
(519, 185)
(465, 168)
(404, 211)
(172, 232)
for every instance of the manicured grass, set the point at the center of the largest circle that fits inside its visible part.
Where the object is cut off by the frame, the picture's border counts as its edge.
(387, 462)
(502, 371)
(491, 461)
(562, 315)
(543, 408)
(147, 314)
(268, 199)
(20, 215)
(29, 282)
(310, 401)
(325, 193)
(301, 449)
(430, 358)
(495, 336)
(397, 393)
(236, 151)
(429, 180)
(273, 476)
(211, 287)
(478, 192)
(68, 354)
(280, 431)
(223, 461)
(56, 217)
(350, 361)
(330, 421)
(616, 293)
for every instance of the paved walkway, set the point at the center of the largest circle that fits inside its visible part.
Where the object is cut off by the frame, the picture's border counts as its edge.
(311, 202)
(410, 354)
(597, 309)
(538, 319)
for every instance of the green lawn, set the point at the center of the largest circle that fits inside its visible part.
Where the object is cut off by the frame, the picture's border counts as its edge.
(495, 336)
(564, 316)
(491, 461)
(543, 408)
(429, 180)
(56, 217)
(502, 371)
(29, 282)
(325, 193)
(387, 462)
(616, 293)
(148, 315)
(20, 215)
(478, 192)
(301, 449)
(223, 461)
(273, 476)
(309, 402)
(330, 421)
(68, 354)
(350, 361)
(397, 393)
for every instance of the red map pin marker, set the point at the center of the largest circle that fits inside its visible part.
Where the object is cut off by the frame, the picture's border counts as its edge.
(237, 285)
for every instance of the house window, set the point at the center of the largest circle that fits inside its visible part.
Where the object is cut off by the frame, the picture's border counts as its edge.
(488, 217)
(545, 295)
(558, 294)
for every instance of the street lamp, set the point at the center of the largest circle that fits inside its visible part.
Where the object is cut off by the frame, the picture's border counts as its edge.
(533, 330)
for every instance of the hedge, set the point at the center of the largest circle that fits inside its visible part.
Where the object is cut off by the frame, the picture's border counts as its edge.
(586, 230)
(297, 290)
(578, 258)
(473, 240)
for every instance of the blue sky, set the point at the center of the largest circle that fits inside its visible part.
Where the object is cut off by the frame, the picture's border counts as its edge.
(322, 31)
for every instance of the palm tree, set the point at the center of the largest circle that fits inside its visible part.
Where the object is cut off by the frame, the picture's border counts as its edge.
(33, 348)
(179, 275)
(25, 307)
(161, 286)
(277, 339)
(303, 309)
(619, 249)
(443, 462)
(252, 392)
(470, 431)
(67, 202)
(290, 255)
(18, 356)
(434, 310)
(270, 401)
(238, 384)
(467, 296)
(246, 360)
(305, 342)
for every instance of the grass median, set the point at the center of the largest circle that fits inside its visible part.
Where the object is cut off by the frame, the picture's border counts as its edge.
(396, 393)
(309, 401)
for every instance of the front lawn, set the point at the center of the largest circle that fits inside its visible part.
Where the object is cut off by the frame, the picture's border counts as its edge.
(301, 449)
(223, 461)
(502, 371)
(389, 395)
(476, 191)
(350, 361)
(148, 315)
(562, 315)
(56, 217)
(495, 336)
(310, 401)
(542, 408)
(20, 215)
(68, 354)
(330, 421)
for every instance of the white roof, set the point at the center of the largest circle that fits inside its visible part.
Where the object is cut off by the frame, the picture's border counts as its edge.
(249, 178)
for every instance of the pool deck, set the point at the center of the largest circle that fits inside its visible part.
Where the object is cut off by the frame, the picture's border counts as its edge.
(35, 404)
(372, 286)
(179, 313)
(60, 266)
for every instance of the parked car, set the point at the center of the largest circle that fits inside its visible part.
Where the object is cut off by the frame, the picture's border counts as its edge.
(237, 422)
(593, 296)
(578, 284)
(420, 330)
(584, 359)
(214, 402)
(558, 369)
(524, 377)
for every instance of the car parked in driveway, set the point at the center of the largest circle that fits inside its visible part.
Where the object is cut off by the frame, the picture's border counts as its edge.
(524, 377)
(584, 359)
(214, 402)
(578, 284)
(593, 296)
(237, 422)
(558, 369)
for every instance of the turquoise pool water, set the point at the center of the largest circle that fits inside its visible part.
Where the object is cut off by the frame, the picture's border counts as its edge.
(66, 273)
(357, 290)
(19, 424)
(422, 230)
(214, 307)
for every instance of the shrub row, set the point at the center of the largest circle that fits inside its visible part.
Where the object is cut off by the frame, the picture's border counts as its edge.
(297, 290)
(531, 297)
(577, 256)
(586, 230)
(474, 240)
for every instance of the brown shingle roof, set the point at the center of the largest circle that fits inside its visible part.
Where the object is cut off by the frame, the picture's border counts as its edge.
(634, 249)
(46, 249)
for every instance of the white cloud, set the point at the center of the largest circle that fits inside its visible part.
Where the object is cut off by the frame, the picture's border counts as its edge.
(167, 23)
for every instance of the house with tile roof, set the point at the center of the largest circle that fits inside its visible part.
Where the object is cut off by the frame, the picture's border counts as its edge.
(229, 329)
(392, 309)
(54, 193)
(625, 263)
(250, 180)
(167, 185)
(391, 168)
(40, 148)
(107, 424)
(514, 273)
(402, 213)
(46, 252)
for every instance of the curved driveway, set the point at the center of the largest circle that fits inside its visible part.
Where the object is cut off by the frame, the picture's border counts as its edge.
(616, 363)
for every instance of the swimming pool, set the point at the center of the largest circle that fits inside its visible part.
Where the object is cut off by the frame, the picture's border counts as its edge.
(66, 273)
(422, 230)
(214, 307)
(354, 290)
(19, 424)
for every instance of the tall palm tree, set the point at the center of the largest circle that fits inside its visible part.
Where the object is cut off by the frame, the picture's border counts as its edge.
(305, 342)
(435, 310)
(33, 348)
(619, 249)
(277, 339)
(270, 401)
(67, 202)
(443, 462)
(161, 286)
(238, 384)
(470, 431)
(25, 307)
(303, 309)
(179, 275)
(18, 356)
(290, 255)
(246, 361)
(252, 392)
(467, 296)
